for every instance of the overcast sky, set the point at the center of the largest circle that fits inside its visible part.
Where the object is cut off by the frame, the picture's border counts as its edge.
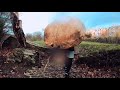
(36, 21)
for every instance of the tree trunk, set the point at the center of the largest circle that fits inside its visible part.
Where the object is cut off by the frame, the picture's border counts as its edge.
(18, 31)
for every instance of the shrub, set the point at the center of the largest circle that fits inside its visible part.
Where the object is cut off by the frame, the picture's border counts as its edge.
(36, 36)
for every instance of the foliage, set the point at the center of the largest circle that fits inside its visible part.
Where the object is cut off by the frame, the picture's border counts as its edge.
(5, 23)
(6, 18)
(36, 36)
(1, 28)
(88, 35)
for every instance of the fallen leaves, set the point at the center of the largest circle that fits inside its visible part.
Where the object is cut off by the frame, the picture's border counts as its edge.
(103, 64)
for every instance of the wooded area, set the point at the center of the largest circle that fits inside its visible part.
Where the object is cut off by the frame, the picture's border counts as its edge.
(10, 29)
(27, 56)
(105, 35)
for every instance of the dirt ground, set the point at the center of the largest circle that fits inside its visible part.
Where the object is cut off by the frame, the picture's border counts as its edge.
(101, 65)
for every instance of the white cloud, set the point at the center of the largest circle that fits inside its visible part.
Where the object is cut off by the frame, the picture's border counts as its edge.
(35, 21)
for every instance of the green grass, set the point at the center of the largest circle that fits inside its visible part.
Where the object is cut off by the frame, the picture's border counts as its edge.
(99, 46)
(95, 46)
(37, 43)
(86, 48)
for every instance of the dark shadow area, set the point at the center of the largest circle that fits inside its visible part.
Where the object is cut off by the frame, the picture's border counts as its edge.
(10, 42)
(2, 60)
(102, 59)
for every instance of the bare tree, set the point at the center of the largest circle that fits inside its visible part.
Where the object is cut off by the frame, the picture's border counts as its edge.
(37, 36)
(28, 36)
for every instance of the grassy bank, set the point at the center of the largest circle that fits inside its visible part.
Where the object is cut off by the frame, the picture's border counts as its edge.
(91, 46)
(88, 48)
